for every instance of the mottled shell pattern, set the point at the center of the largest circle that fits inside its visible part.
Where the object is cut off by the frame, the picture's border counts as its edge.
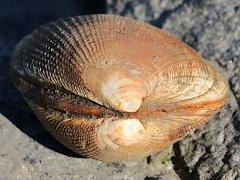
(112, 88)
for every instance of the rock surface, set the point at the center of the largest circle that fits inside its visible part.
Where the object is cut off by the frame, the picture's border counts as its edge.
(212, 28)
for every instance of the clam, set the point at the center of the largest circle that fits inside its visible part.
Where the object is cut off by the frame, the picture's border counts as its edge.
(112, 88)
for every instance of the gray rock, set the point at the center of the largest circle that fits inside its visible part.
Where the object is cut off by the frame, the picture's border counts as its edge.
(212, 28)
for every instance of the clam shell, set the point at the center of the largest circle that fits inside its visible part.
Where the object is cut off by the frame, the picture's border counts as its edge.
(112, 88)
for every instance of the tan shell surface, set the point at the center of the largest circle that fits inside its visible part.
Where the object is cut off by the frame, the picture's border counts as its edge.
(112, 88)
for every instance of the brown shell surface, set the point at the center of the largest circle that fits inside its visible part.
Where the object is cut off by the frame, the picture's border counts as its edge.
(112, 88)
